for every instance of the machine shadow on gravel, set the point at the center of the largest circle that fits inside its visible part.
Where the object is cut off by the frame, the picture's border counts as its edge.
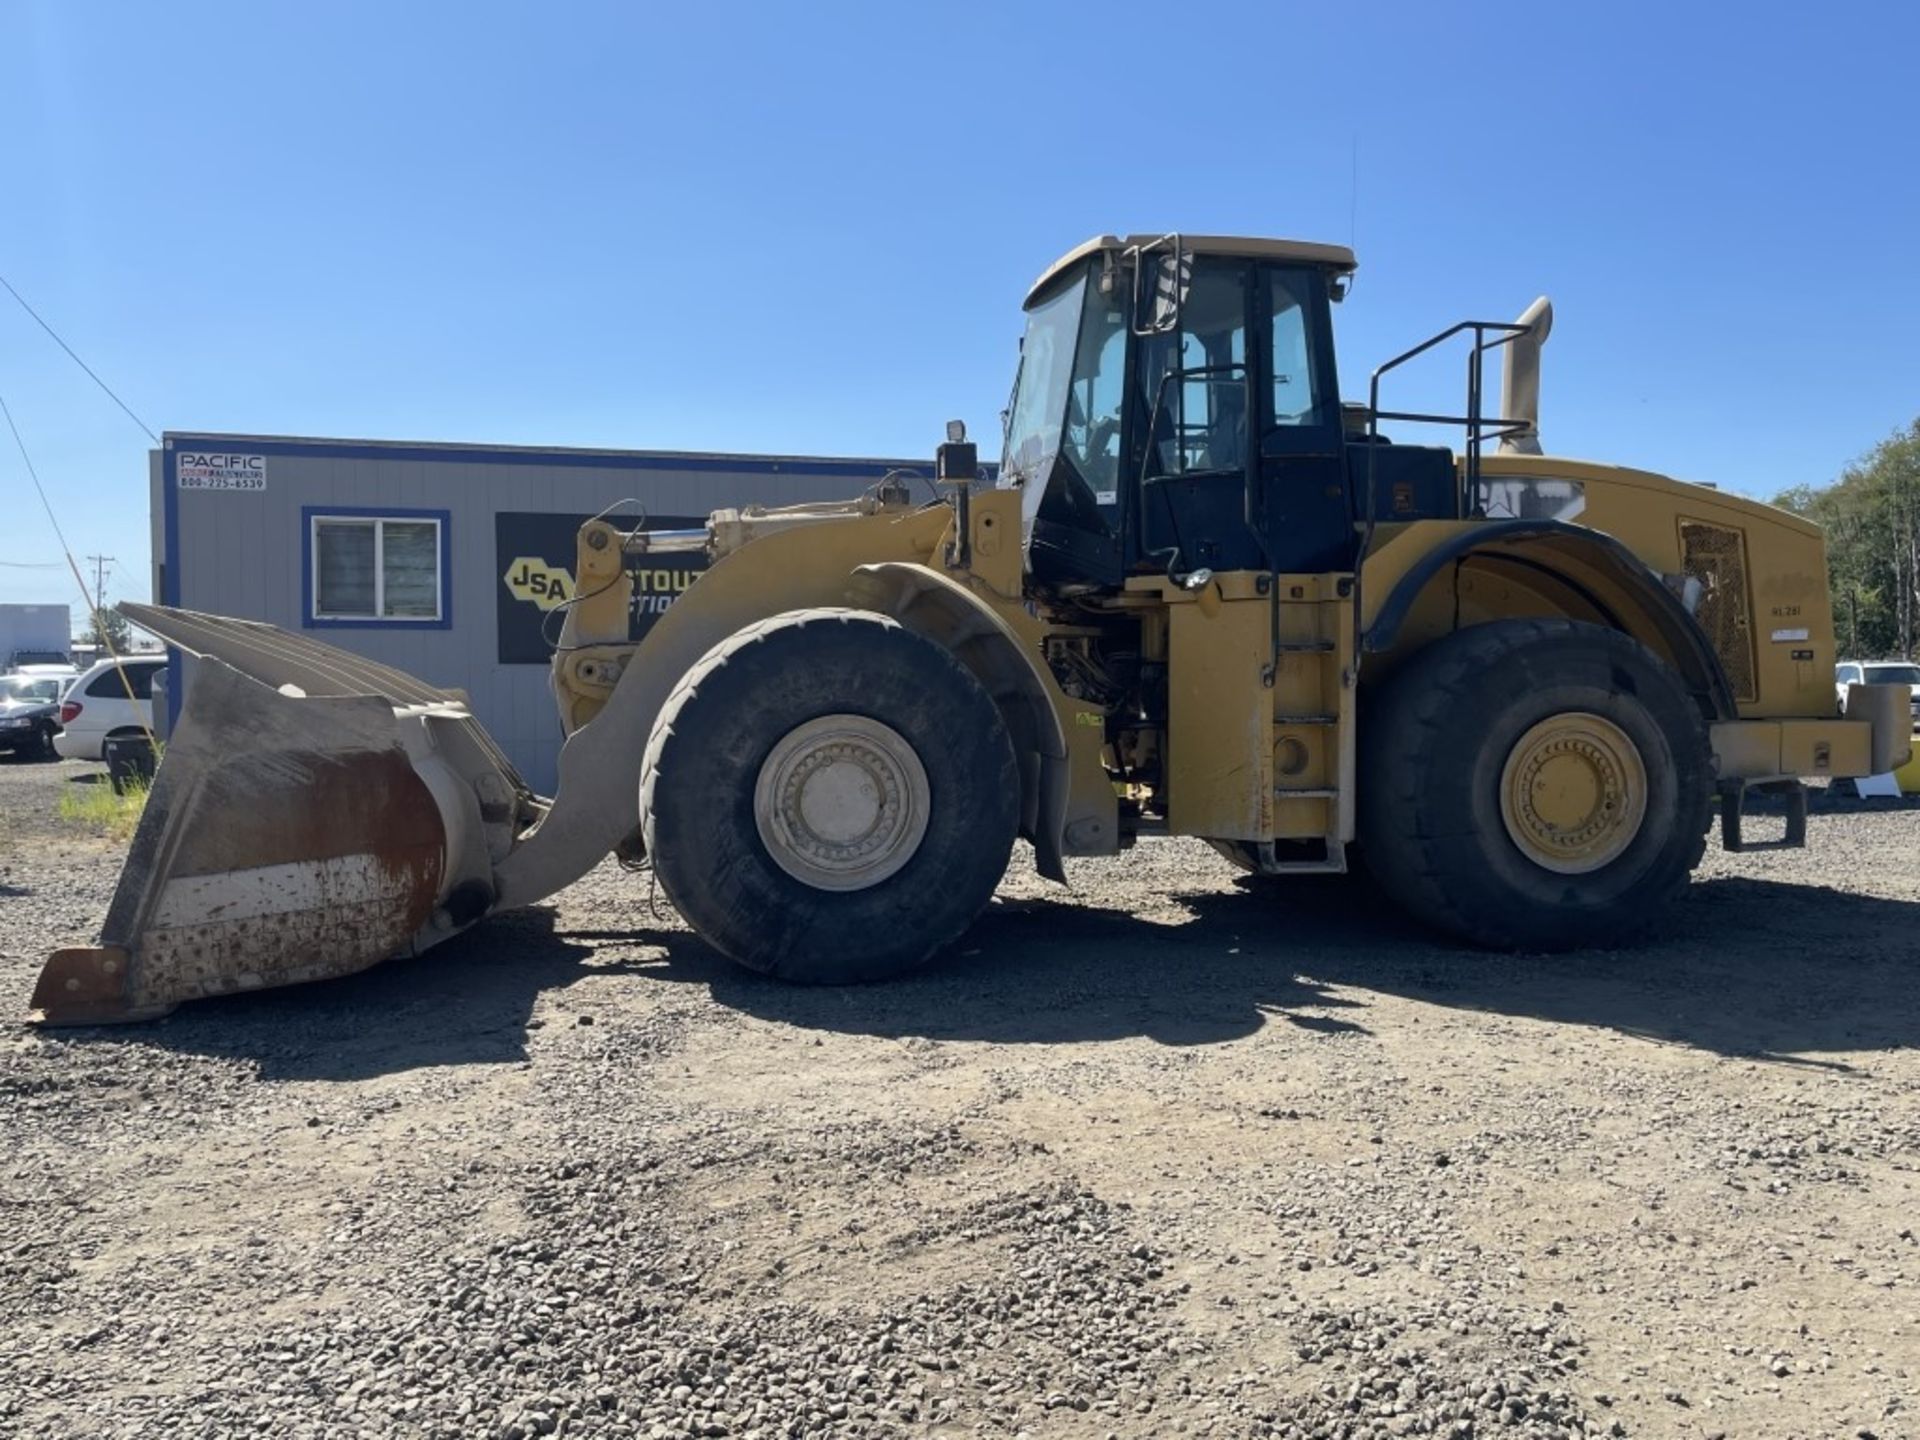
(1044, 971)
(1740, 967)
(1743, 968)
(468, 1001)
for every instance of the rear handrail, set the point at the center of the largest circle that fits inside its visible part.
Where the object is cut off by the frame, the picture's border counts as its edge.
(1479, 428)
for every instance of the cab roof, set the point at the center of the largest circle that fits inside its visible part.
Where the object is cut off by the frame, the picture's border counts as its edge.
(1337, 258)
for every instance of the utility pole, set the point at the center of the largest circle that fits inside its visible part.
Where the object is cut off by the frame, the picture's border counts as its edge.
(100, 563)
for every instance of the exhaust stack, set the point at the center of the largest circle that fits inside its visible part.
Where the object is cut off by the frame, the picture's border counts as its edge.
(1520, 379)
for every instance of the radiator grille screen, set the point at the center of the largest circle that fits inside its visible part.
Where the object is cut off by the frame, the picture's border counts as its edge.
(1715, 555)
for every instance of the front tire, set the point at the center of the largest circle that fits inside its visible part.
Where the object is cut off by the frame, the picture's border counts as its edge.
(1535, 785)
(828, 797)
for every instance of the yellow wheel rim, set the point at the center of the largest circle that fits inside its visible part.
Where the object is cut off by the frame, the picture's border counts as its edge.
(1573, 793)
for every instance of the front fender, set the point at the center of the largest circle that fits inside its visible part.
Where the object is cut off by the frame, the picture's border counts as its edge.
(597, 803)
(1067, 800)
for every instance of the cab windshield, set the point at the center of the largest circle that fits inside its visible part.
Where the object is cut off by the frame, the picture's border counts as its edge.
(1063, 424)
(1040, 389)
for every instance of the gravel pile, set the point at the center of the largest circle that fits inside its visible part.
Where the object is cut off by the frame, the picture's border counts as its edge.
(1385, 1382)
(1167, 1154)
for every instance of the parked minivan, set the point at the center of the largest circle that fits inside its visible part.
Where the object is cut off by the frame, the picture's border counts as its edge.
(103, 703)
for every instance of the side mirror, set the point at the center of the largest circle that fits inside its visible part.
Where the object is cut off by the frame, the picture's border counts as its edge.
(1162, 273)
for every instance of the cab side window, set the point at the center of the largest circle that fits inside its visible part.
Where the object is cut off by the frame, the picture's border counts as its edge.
(1195, 381)
(1296, 392)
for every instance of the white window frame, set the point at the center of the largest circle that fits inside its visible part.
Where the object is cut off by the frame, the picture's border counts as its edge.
(379, 524)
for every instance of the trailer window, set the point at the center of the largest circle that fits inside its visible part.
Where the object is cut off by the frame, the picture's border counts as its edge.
(377, 569)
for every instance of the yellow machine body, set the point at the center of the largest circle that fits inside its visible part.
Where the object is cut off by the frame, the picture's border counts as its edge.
(1263, 689)
(1141, 692)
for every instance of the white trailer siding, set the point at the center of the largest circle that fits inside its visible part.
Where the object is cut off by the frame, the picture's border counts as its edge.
(34, 629)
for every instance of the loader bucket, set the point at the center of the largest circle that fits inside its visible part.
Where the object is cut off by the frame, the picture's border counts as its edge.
(291, 835)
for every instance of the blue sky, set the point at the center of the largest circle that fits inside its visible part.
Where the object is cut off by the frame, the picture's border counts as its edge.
(809, 228)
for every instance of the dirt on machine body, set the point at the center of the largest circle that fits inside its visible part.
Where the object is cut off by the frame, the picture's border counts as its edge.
(1207, 595)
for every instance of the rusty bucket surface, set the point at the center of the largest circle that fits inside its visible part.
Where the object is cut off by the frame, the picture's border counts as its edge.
(309, 818)
(284, 840)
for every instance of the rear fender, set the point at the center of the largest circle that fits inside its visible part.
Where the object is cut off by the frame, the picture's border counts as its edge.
(1580, 572)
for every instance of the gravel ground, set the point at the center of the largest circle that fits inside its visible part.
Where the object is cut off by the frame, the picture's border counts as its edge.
(1159, 1154)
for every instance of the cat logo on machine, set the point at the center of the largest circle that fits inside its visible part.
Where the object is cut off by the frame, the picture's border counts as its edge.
(535, 581)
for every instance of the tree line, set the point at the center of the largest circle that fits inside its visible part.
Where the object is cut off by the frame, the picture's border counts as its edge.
(109, 628)
(1872, 518)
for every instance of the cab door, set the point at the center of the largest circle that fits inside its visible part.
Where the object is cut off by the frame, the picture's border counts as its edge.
(1301, 490)
(1194, 436)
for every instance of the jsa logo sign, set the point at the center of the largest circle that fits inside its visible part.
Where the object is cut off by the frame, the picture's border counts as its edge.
(208, 470)
(531, 579)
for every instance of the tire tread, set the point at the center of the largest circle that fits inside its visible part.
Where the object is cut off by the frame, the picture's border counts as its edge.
(928, 926)
(1400, 745)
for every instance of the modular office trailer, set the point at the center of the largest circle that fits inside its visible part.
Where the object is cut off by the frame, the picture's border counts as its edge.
(448, 561)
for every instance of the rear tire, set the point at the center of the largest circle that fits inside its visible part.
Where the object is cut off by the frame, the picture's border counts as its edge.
(829, 797)
(1535, 785)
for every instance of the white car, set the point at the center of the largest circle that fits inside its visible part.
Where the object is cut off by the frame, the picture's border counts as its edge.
(98, 706)
(1877, 672)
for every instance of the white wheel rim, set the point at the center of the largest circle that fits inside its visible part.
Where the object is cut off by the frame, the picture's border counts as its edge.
(841, 802)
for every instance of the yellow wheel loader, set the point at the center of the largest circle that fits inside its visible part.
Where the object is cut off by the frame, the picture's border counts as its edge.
(1203, 595)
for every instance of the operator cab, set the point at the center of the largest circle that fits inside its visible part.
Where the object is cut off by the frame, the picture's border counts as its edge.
(1177, 408)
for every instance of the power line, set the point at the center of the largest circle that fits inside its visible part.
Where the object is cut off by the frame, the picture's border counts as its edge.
(99, 630)
(41, 490)
(100, 564)
(78, 361)
(31, 564)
